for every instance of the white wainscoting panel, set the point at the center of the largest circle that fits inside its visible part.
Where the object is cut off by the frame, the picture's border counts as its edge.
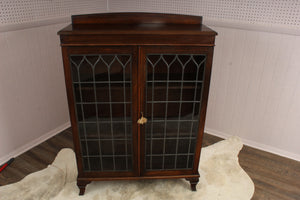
(33, 98)
(255, 89)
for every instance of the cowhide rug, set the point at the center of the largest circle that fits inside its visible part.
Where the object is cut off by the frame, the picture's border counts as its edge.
(221, 178)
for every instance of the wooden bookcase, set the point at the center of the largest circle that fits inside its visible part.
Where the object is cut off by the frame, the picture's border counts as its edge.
(137, 87)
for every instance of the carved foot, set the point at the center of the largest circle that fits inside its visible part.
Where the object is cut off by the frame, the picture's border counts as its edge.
(81, 185)
(193, 182)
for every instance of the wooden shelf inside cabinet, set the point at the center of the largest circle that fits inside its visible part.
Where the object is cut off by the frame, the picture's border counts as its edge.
(137, 87)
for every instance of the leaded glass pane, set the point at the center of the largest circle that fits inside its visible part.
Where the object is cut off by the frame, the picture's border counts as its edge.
(174, 88)
(103, 98)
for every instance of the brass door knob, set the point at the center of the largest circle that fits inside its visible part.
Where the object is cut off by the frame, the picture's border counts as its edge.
(142, 120)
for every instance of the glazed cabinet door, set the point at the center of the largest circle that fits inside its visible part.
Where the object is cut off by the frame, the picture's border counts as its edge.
(101, 85)
(173, 100)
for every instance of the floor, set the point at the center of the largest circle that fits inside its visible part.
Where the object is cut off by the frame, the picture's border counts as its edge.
(274, 177)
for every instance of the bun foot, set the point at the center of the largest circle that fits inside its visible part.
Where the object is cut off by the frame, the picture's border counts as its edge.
(193, 182)
(81, 185)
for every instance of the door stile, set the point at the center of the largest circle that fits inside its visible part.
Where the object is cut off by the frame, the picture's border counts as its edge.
(135, 109)
(141, 108)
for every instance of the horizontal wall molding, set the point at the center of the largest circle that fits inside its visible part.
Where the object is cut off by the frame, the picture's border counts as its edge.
(34, 24)
(273, 28)
(35, 142)
(255, 145)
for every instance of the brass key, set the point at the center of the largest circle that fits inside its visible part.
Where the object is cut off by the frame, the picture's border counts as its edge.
(142, 120)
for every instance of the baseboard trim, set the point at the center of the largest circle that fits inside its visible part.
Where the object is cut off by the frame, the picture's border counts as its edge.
(35, 142)
(256, 145)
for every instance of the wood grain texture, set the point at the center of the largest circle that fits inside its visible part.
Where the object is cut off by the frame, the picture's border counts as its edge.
(274, 177)
(136, 28)
(135, 18)
(36, 158)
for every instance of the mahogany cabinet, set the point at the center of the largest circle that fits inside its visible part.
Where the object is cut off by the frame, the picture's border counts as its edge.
(137, 87)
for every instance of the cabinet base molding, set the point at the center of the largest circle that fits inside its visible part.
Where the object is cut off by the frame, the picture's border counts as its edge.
(83, 182)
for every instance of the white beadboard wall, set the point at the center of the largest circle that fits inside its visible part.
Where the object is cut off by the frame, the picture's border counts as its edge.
(33, 103)
(255, 90)
(255, 87)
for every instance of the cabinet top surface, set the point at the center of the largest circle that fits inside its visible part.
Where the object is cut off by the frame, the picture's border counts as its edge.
(136, 23)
